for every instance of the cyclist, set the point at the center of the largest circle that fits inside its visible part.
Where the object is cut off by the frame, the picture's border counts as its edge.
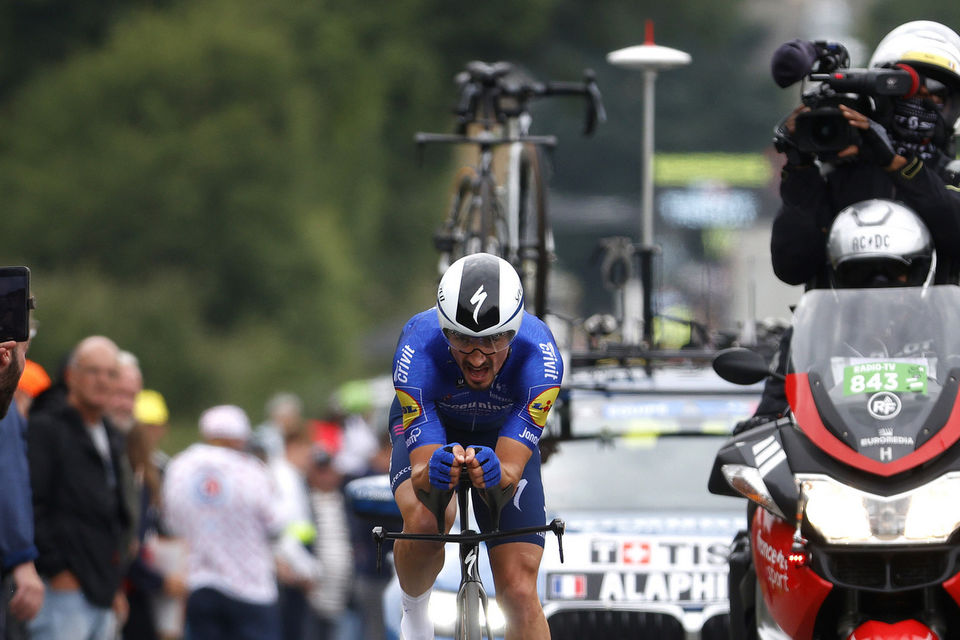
(475, 378)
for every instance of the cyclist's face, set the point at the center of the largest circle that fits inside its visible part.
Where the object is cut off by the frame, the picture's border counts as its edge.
(479, 369)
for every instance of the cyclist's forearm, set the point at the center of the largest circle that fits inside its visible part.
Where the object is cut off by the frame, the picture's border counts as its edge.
(513, 459)
(420, 466)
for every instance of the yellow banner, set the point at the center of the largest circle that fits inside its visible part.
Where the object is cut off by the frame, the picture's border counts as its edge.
(733, 169)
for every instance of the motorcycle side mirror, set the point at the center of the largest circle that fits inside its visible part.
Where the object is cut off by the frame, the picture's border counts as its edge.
(742, 366)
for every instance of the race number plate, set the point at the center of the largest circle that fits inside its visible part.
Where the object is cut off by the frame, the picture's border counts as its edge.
(871, 377)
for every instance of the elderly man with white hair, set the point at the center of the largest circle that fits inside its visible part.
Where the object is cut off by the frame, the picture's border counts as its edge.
(222, 501)
(82, 523)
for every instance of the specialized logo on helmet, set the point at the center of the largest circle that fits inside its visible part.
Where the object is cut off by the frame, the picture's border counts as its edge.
(477, 299)
(884, 405)
(478, 305)
(540, 406)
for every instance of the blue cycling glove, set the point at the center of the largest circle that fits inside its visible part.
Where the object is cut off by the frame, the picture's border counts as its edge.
(490, 464)
(440, 464)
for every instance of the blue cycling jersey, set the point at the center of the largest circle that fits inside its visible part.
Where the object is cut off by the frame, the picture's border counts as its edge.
(433, 394)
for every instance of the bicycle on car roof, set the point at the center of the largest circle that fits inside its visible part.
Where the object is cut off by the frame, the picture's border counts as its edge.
(499, 206)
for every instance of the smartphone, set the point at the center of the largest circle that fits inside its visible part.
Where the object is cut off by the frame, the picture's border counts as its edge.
(15, 303)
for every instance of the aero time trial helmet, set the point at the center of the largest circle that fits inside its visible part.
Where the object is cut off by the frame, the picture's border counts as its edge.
(480, 304)
(880, 243)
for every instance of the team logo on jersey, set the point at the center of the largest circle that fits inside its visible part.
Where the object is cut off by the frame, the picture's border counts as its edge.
(410, 406)
(539, 407)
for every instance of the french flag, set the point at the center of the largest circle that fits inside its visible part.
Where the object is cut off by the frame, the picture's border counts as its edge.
(569, 587)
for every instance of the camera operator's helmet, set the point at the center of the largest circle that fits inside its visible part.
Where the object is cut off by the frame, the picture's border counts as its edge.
(880, 243)
(932, 50)
(480, 304)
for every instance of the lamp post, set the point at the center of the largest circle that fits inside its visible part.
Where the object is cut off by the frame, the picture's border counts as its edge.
(649, 58)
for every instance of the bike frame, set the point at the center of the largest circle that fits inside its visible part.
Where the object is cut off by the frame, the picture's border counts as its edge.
(516, 127)
(469, 541)
(516, 139)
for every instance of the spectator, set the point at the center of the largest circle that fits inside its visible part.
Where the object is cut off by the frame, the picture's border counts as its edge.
(284, 415)
(369, 582)
(33, 382)
(80, 515)
(353, 403)
(55, 394)
(149, 583)
(221, 500)
(150, 410)
(297, 567)
(331, 593)
(129, 383)
(23, 588)
(358, 444)
(327, 432)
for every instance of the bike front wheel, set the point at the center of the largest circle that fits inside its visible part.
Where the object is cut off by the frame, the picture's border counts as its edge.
(468, 620)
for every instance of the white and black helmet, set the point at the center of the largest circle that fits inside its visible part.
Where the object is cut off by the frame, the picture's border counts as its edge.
(880, 243)
(480, 296)
(932, 50)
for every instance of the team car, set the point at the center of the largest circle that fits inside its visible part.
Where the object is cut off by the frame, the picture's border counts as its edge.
(627, 453)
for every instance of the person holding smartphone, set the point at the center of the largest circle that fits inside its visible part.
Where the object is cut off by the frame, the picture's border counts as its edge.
(17, 550)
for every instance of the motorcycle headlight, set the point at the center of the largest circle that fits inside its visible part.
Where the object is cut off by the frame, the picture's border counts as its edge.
(443, 613)
(749, 483)
(844, 515)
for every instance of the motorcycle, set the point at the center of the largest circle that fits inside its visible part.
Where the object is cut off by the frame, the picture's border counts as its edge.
(855, 494)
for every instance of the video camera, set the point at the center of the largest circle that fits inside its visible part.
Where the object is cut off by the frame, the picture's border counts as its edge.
(823, 130)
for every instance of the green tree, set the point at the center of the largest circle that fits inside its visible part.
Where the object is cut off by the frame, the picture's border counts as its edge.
(227, 188)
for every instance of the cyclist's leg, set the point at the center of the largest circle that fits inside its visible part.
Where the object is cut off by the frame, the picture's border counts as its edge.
(516, 561)
(417, 562)
(515, 566)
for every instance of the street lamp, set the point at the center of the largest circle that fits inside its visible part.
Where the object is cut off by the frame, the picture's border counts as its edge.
(649, 58)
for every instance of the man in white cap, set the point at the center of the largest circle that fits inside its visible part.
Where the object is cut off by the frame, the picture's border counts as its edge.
(222, 501)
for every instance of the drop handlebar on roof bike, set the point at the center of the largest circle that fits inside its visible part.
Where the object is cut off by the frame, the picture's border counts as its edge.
(488, 95)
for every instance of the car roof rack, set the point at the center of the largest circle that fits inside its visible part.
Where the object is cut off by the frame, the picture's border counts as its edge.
(627, 355)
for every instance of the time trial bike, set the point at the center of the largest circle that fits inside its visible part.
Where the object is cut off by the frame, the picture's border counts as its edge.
(471, 596)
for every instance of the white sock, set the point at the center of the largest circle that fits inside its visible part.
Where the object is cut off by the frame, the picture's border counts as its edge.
(415, 623)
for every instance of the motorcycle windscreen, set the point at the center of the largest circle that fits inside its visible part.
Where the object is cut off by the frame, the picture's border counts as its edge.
(879, 363)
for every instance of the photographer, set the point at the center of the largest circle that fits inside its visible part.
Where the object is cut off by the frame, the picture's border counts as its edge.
(896, 147)
(909, 158)
(904, 152)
